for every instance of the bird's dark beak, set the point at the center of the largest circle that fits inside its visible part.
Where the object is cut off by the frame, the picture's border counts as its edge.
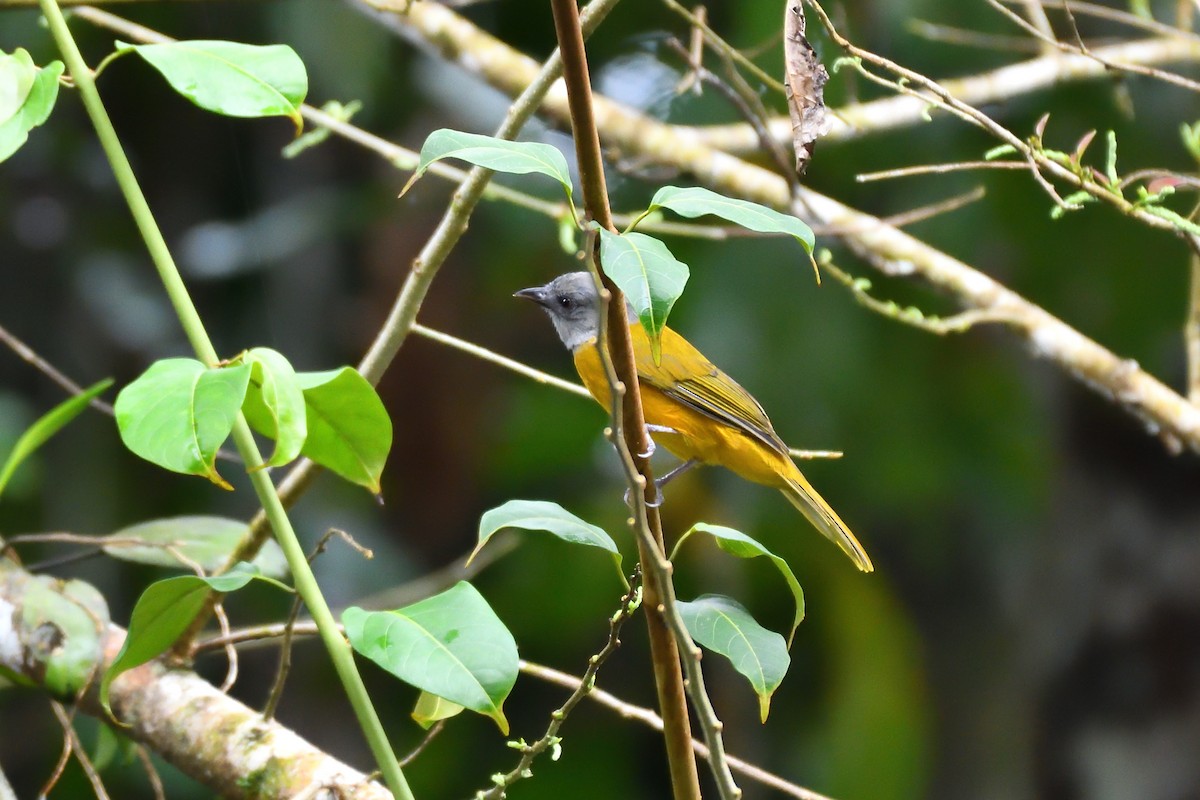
(537, 294)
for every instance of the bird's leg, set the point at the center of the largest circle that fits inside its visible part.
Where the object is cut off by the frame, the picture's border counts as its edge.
(659, 483)
(673, 474)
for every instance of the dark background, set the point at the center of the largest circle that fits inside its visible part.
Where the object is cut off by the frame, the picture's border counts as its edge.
(1033, 627)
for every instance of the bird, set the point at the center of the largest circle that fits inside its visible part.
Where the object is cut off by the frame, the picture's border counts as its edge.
(691, 407)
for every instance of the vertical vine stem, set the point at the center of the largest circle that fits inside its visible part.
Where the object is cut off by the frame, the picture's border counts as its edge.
(189, 318)
(667, 633)
(1191, 334)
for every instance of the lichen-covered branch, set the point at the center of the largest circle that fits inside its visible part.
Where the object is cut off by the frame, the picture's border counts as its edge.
(211, 737)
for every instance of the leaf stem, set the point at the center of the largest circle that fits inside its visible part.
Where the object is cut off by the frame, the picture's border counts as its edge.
(305, 581)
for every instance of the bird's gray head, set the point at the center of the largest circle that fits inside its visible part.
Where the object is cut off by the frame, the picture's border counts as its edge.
(573, 306)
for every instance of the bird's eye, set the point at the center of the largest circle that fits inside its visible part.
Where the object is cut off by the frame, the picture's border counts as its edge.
(566, 302)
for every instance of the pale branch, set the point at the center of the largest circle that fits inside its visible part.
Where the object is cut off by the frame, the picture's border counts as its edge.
(209, 736)
(1039, 20)
(1191, 333)
(1164, 411)
(996, 86)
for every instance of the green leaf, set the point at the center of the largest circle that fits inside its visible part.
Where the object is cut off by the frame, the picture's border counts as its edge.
(651, 278)
(540, 515)
(164, 611)
(695, 201)
(189, 540)
(62, 625)
(739, 544)
(349, 431)
(430, 708)
(27, 96)
(501, 155)
(179, 412)
(17, 72)
(722, 625)
(452, 645)
(231, 78)
(275, 401)
(49, 424)
(111, 747)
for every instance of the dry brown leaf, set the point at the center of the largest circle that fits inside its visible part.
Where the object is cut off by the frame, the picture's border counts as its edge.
(804, 80)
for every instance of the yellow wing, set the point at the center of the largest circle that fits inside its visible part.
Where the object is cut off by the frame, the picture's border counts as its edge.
(685, 375)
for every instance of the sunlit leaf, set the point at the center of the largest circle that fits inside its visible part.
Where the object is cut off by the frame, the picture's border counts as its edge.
(189, 540)
(349, 431)
(651, 278)
(452, 645)
(275, 402)
(179, 412)
(27, 96)
(722, 625)
(231, 78)
(46, 426)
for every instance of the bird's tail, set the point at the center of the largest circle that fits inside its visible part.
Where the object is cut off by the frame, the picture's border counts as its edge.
(804, 497)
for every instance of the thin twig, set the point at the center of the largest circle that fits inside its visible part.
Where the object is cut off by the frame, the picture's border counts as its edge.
(1082, 49)
(937, 169)
(1115, 15)
(630, 603)
(426, 740)
(987, 88)
(912, 316)
(1042, 162)
(647, 717)
(502, 361)
(285, 650)
(720, 45)
(60, 766)
(231, 658)
(143, 756)
(89, 769)
(910, 217)
(43, 366)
